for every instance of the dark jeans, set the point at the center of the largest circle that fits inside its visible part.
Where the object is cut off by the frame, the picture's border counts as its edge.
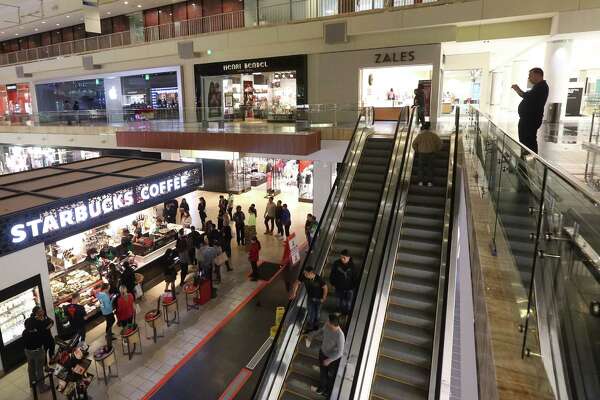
(287, 229)
(272, 221)
(110, 321)
(36, 360)
(528, 133)
(184, 272)
(326, 373)
(239, 234)
(421, 115)
(345, 298)
(425, 163)
(314, 312)
(279, 226)
(254, 269)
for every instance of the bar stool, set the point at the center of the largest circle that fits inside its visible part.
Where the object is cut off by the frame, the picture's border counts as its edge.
(192, 292)
(106, 361)
(155, 322)
(171, 304)
(131, 339)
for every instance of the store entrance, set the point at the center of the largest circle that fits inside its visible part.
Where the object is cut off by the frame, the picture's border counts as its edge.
(460, 87)
(387, 89)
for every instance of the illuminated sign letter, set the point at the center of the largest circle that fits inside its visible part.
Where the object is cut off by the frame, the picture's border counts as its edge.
(81, 214)
(95, 209)
(144, 193)
(184, 179)
(176, 183)
(107, 205)
(169, 185)
(50, 224)
(66, 218)
(163, 187)
(34, 225)
(154, 190)
(128, 198)
(18, 233)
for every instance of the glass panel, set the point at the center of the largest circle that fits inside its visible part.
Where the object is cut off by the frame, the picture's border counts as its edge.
(14, 312)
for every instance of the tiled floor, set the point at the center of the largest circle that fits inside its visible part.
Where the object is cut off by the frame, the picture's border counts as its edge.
(139, 375)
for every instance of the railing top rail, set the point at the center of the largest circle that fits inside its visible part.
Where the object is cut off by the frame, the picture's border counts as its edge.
(577, 186)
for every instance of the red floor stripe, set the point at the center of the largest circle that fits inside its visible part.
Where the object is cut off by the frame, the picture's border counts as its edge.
(239, 384)
(209, 336)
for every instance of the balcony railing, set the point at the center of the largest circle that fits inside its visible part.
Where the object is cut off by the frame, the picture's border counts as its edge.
(190, 27)
(282, 13)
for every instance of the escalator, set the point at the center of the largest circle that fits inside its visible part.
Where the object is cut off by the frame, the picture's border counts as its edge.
(354, 232)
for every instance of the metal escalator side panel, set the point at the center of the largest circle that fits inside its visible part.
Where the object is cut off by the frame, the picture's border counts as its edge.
(281, 354)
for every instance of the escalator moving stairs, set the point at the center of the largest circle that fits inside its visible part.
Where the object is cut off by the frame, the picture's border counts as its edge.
(404, 360)
(353, 234)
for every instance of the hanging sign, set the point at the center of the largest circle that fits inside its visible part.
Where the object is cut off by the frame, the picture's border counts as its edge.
(294, 248)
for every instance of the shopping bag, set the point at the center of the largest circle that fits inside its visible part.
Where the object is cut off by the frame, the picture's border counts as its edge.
(138, 292)
(221, 259)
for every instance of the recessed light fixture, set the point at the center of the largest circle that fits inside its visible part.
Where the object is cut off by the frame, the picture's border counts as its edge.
(68, 16)
(16, 34)
(43, 22)
(139, 6)
(36, 29)
(125, 2)
(57, 24)
(108, 12)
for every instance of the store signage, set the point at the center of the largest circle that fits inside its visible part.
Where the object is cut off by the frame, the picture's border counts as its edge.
(394, 57)
(81, 212)
(11, 87)
(245, 66)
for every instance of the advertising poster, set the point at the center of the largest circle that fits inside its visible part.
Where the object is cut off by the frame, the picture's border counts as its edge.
(427, 87)
(214, 98)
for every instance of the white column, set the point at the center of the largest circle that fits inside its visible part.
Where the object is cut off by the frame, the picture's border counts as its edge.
(189, 92)
(322, 182)
(557, 71)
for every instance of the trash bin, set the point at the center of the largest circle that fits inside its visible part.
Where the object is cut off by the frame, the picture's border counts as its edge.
(554, 110)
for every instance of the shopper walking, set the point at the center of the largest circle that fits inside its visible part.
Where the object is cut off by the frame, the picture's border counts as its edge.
(220, 218)
(330, 352)
(186, 219)
(531, 108)
(251, 225)
(194, 241)
(43, 325)
(278, 224)
(169, 270)
(316, 291)
(125, 307)
(226, 237)
(344, 278)
(181, 247)
(202, 211)
(270, 213)
(253, 256)
(419, 102)
(307, 228)
(75, 314)
(426, 144)
(208, 253)
(35, 354)
(286, 220)
(239, 218)
(106, 308)
(230, 205)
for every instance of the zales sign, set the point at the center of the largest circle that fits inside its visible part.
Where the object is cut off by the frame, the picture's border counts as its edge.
(395, 57)
(95, 208)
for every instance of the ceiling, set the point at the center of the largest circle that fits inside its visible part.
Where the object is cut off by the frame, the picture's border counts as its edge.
(20, 18)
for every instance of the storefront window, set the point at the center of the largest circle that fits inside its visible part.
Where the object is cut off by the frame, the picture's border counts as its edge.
(17, 158)
(151, 96)
(392, 86)
(15, 100)
(460, 87)
(14, 312)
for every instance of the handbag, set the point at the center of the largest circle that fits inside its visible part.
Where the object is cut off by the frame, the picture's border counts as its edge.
(221, 259)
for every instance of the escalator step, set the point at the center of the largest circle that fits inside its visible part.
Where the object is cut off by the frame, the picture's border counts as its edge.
(362, 205)
(307, 366)
(410, 316)
(425, 211)
(379, 144)
(358, 215)
(426, 200)
(403, 372)
(416, 285)
(433, 247)
(416, 270)
(388, 389)
(371, 168)
(377, 153)
(375, 160)
(418, 257)
(408, 334)
(405, 352)
(288, 395)
(415, 301)
(347, 224)
(349, 236)
(302, 386)
(420, 232)
(437, 191)
(309, 352)
(368, 195)
(423, 221)
(439, 180)
(366, 185)
(368, 177)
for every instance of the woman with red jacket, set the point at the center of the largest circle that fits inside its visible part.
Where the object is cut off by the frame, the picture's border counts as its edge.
(125, 307)
(253, 254)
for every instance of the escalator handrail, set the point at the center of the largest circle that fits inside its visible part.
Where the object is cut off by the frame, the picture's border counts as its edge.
(365, 367)
(440, 314)
(290, 316)
(362, 303)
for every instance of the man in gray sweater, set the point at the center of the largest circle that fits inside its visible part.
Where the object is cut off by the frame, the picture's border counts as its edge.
(330, 352)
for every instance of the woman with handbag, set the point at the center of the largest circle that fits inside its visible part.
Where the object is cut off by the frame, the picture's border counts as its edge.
(125, 308)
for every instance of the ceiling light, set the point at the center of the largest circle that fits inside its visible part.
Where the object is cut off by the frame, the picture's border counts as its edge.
(139, 6)
(57, 24)
(68, 16)
(125, 2)
(36, 29)
(43, 22)
(16, 34)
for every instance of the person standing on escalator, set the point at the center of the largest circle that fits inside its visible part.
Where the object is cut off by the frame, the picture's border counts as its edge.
(344, 278)
(316, 291)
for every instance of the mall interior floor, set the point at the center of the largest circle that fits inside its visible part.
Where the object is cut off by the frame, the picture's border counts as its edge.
(139, 375)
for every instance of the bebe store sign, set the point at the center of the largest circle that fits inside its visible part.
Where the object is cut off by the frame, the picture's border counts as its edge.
(93, 211)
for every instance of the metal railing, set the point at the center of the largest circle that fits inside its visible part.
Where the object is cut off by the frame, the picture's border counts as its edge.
(279, 13)
(190, 27)
(550, 225)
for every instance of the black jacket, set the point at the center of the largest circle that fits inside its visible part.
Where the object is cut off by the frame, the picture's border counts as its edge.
(344, 277)
(534, 100)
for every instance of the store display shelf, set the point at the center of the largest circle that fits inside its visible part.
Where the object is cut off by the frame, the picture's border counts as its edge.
(72, 268)
(83, 289)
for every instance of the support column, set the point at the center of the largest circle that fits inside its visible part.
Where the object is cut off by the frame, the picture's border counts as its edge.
(322, 182)
(189, 92)
(557, 71)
